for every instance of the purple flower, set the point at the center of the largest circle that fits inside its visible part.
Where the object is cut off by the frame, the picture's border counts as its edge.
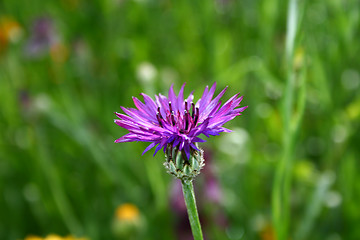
(43, 36)
(177, 122)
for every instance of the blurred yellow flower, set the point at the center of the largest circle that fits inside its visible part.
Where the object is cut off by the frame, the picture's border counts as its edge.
(10, 31)
(59, 52)
(127, 212)
(54, 237)
(33, 238)
(128, 222)
(268, 233)
(73, 238)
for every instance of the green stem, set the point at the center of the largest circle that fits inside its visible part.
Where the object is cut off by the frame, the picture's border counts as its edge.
(190, 202)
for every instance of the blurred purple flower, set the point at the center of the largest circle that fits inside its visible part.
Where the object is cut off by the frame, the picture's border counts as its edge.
(24, 99)
(173, 120)
(43, 36)
(213, 192)
(212, 189)
(177, 199)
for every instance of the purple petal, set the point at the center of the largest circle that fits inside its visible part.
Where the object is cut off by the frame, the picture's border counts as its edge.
(149, 147)
(206, 91)
(210, 132)
(149, 103)
(136, 114)
(205, 99)
(182, 143)
(126, 138)
(194, 147)
(197, 139)
(199, 102)
(187, 150)
(217, 98)
(239, 110)
(172, 98)
(176, 142)
(180, 99)
(228, 106)
(198, 130)
(163, 103)
(190, 97)
(219, 121)
(158, 147)
(144, 109)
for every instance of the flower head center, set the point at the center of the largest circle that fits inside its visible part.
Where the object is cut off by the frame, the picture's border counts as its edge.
(183, 121)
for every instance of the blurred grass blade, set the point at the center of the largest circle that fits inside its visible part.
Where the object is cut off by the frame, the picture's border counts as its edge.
(292, 22)
(282, 183)
(314, 206)
(54, 181)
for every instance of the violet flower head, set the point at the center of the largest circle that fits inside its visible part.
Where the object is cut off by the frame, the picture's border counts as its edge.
(177, 122)
(43, 36)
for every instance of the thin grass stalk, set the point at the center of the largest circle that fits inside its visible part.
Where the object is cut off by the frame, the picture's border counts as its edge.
(282, 182)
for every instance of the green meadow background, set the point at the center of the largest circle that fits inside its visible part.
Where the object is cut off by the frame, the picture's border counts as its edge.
(297, 144)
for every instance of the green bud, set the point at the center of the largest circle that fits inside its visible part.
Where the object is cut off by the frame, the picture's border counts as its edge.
(172, 167)
(178, 165)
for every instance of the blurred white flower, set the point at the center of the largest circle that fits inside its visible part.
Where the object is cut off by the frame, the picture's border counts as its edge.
(333, 199)
(339, 133)
(146, 72)
(236, 144)
(42, 102)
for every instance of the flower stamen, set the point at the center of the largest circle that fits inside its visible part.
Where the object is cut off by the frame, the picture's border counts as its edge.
(170, 107)
(186, 118)
(193, 109)
(159, 117)
(196, 117)
(173, 118)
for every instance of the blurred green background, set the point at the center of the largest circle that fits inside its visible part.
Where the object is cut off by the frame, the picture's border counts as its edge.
(67, 65)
